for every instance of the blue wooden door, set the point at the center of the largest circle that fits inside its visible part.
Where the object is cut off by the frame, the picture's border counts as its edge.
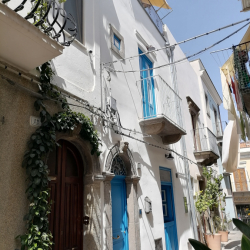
(119, 213)
(169, 214)
(147, 87)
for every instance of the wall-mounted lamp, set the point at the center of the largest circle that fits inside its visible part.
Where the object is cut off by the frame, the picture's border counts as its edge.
(169, 156)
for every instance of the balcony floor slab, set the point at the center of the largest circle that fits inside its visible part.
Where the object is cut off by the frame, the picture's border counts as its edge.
(169, 131)
(206, 158)
(22, 44)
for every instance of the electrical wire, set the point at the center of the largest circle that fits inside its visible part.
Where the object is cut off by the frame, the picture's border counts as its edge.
(130, 130)
(95, 111)
(184, 41)
(180, 60)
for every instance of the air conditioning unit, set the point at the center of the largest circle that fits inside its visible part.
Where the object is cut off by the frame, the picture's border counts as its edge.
(245, 5)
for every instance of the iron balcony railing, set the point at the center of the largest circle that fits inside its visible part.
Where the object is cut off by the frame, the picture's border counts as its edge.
(166, 102)
(48, 16)
(149, 8)
(219, 128)
(205, 140)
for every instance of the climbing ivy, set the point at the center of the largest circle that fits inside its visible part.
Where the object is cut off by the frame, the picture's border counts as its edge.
(41, 143)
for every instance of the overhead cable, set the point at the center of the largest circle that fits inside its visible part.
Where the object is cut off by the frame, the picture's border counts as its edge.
(178, 43)
(180, 60)
(103, 116)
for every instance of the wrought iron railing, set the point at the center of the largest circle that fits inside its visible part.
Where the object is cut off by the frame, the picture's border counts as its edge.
(219, 128)
(205, 140)
(49, 17)
(149, 8)
(167, 101)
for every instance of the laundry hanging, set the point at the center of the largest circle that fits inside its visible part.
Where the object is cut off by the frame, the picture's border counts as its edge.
(228, 103)
(230, 147)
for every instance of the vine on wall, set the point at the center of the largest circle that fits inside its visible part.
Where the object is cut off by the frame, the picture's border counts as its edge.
(41, 143)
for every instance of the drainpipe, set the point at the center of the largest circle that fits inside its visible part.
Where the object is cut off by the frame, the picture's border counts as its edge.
(190, 200)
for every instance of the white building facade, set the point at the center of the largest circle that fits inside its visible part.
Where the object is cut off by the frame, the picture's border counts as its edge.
(135, 195)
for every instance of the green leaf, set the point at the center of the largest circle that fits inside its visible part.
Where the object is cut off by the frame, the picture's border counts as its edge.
(198, 245)
(245, 243)
(243, 227)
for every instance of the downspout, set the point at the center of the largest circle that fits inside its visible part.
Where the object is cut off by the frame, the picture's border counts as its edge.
(190, 200)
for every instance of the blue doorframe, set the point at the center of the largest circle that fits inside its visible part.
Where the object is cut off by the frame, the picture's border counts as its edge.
(168, 208)
(147, 86)
(119, 213)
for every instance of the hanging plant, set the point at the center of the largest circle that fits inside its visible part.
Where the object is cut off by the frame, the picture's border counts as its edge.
(41, 143)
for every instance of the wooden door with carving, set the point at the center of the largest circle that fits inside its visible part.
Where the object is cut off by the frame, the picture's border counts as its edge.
(66, 184)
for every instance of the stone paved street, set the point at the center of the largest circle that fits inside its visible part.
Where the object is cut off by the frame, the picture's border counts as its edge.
(234, 239)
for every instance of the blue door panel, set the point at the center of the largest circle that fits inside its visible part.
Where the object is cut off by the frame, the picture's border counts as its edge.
(170, 235)
(119, 213)
(147, 87)
(169, 214)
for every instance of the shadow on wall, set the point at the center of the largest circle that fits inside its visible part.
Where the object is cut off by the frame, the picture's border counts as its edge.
(178, 186)
(149, 215)
(106, 52)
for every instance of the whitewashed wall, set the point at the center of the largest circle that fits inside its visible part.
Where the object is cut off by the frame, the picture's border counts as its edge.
(79, 73)
(126, 17)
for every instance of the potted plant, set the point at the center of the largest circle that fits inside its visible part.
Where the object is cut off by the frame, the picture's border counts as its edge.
(206, 204)
(222, 227)
(245, 240)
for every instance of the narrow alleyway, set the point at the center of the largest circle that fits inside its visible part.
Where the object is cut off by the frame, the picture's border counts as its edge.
(234, 241)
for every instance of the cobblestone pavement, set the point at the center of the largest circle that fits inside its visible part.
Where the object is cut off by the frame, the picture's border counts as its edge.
(234, 239)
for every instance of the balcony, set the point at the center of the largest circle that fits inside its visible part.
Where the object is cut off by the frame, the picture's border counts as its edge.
(30, 38)
(166, 120)
(148, 6)
(242, 69)
(206, 150)
(245, 5)
(241, 197)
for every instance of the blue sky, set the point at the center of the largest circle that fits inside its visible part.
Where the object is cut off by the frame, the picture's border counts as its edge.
(193, 17)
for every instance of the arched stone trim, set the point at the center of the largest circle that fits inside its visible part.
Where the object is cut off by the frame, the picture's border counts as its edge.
(126, 155)
(91, 162)
(122, 150)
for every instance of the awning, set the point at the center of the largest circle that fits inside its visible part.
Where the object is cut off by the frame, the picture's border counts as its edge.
(157, 3)
(228, 65)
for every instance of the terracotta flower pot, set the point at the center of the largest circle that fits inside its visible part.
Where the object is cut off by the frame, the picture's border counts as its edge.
(213, 241)
(224, 236)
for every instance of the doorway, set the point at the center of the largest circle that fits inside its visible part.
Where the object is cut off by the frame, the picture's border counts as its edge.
(119, 205)
(66, 185)
(168, 209)
(119, 213)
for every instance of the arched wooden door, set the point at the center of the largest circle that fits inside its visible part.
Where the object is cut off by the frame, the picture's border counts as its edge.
(66, 186)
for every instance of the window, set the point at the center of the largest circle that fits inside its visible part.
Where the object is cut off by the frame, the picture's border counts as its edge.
(117, 42)
(207, 105)
(74, 7)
